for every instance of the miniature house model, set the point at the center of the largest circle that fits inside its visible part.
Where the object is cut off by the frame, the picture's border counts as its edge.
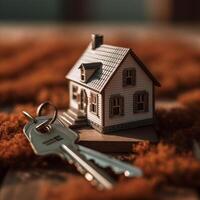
(110, 89)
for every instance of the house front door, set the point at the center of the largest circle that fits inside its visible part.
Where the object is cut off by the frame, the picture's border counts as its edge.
(83, 101)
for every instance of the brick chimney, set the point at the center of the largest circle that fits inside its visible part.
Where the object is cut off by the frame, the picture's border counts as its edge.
(97, 40)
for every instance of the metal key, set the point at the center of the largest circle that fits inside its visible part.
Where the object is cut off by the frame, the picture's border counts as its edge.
(58, 142)
(62, 142)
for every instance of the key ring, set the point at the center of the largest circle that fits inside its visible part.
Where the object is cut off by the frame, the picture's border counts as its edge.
(46, 104)
(45, 127)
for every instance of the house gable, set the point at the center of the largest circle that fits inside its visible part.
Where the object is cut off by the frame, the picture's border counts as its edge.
(145, 69)
(115, 87)
(140, 64)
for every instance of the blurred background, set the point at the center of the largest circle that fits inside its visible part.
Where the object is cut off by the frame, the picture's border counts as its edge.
(47, 37)
(104, 10)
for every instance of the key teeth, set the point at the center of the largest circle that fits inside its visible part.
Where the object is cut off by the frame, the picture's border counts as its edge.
(110, 168)
(126, 173)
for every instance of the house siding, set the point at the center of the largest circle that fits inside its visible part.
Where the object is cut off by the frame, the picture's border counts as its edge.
(97, 120)
(115, 86)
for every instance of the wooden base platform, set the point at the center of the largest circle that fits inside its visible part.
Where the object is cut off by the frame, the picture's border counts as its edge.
(115, 142)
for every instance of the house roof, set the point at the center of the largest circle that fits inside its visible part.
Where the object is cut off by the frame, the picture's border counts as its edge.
(111, 57)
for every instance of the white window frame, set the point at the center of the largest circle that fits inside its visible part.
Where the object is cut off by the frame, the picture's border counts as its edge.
(94, 103)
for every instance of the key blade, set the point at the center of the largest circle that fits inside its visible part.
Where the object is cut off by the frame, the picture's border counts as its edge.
(104, 161)
(91, 170)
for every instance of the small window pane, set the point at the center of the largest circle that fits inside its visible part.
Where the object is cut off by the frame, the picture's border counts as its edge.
(93, 103)
(116, 106)
(129, 77)
(128, 81)
(140, 101)
(116, 110)
(140, 106)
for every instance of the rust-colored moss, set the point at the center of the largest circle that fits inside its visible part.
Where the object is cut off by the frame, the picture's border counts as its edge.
(33, 71)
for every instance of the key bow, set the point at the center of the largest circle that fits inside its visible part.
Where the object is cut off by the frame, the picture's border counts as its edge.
(45, 126)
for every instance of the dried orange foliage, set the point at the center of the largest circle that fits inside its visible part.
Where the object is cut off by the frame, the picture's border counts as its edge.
(33, 71)
(28, 73)
(191, 98)
(169, 167)
(141, 147)
(30, 67)
(13, 144)
(170, 162)
(57, 95)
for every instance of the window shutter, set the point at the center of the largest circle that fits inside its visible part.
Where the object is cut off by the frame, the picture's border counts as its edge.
(122, 105)
(97, 103)
(110, 107)
(90, 102)
(146, 101)
(135, 103)
(134, 77)
(124, 77)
